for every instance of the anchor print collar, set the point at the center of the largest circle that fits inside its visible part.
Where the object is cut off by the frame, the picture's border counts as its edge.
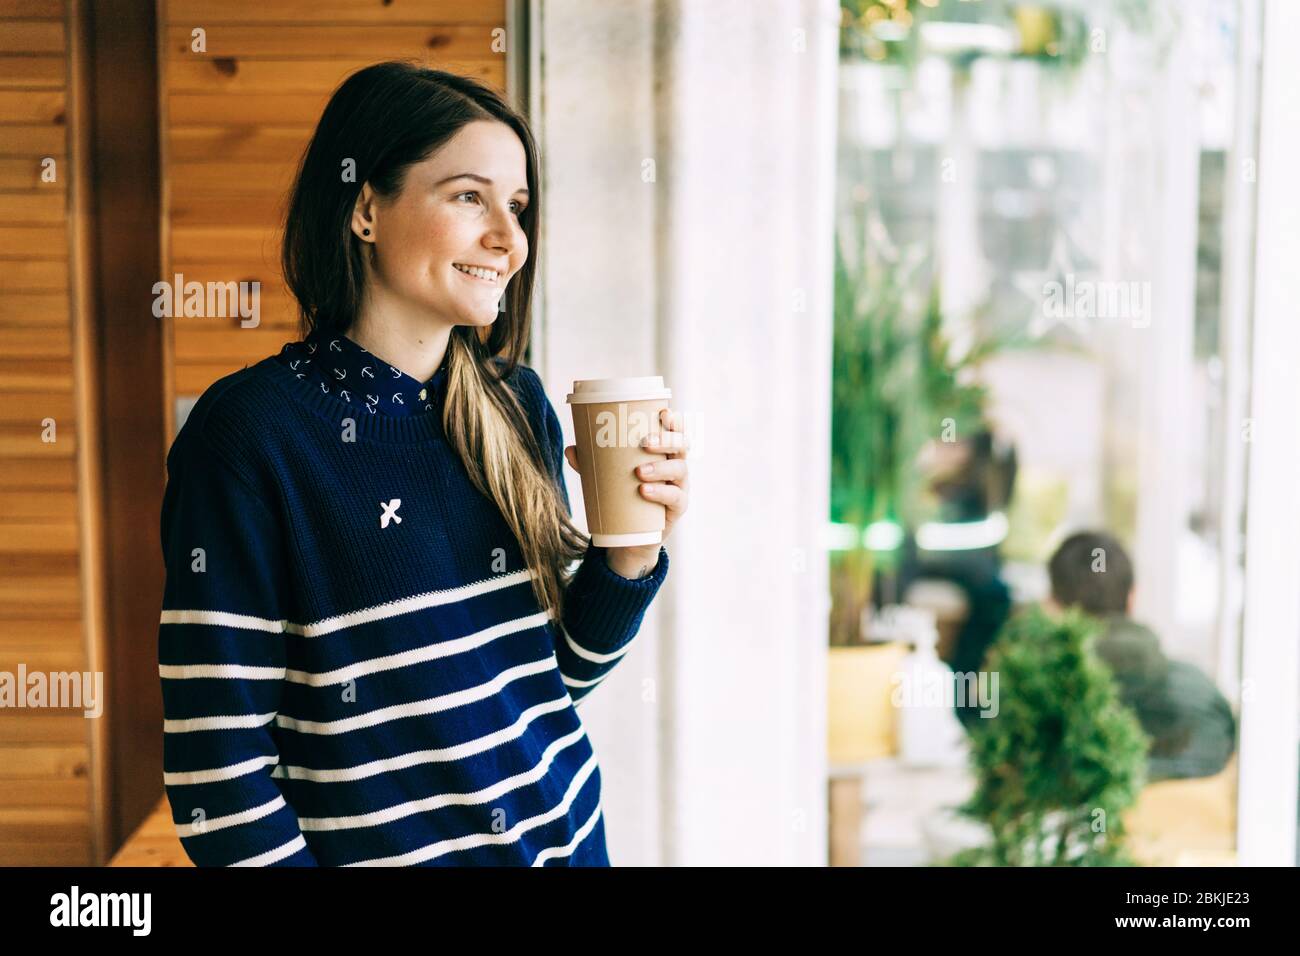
(339, 366)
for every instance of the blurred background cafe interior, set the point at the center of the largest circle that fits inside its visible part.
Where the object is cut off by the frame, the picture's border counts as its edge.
(1043, 456)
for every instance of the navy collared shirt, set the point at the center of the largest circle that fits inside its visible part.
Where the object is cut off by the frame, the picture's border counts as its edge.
(339, 366)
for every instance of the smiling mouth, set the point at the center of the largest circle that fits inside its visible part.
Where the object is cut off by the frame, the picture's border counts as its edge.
(489, 276)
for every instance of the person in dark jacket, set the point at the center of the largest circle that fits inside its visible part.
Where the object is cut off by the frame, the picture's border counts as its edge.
(1190, 723)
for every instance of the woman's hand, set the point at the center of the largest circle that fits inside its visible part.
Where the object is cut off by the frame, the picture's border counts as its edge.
(667, 483)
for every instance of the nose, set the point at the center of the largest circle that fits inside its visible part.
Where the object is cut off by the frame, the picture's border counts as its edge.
(504, 233)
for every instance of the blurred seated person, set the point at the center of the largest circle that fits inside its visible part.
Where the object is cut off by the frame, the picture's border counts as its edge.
(972, 479)
(1190, 723)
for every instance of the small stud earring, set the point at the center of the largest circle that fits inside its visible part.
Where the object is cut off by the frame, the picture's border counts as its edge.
(365, 232)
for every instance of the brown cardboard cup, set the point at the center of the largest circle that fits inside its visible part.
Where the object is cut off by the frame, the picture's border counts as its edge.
(610, 417)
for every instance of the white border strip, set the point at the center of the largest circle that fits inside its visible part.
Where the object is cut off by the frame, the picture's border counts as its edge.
(1270, 709)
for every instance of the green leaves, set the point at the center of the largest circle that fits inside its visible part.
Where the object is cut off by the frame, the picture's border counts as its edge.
(1063, 758)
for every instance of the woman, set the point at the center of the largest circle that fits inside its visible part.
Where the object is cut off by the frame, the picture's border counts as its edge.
(371, 646)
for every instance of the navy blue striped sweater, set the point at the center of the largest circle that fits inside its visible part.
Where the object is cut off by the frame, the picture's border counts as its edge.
(355, 670)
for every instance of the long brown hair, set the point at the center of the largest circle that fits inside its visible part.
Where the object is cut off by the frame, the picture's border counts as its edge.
(384, 119)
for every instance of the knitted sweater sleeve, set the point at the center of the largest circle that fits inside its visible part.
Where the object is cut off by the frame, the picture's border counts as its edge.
(602, 609)
(221, 653)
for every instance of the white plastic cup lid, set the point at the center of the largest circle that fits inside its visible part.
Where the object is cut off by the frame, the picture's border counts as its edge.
(636, 389)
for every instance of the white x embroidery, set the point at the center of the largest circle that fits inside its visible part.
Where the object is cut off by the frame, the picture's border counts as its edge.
(390, 511)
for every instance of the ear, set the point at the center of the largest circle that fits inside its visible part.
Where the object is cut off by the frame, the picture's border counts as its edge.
(363, 213)
(571, 456)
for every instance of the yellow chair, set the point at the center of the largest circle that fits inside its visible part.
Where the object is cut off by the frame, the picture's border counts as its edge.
(862, 724)
(1189, 822)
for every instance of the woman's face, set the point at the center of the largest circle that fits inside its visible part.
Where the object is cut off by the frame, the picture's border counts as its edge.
(458, 209)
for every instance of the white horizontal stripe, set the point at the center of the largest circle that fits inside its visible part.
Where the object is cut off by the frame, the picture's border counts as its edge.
(274, 856)
(417, 655)
(567, 850)
(471, 840)
(592, 656)
(224, 671)
(574, 682)
(223, 722)
(406, 605)
(415, 708)
(192, 829)
(425, 804)
(245, 622)
(216, 774)
(329, 625)
(416, 757)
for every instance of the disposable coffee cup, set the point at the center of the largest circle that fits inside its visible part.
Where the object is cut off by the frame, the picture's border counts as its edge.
(610, 418)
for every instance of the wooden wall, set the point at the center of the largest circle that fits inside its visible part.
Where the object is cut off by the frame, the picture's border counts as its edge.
(237, 117)
(47, 807)
(198, 190)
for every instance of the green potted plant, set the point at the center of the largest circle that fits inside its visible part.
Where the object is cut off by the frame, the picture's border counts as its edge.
(1061, 760)
(894, 386)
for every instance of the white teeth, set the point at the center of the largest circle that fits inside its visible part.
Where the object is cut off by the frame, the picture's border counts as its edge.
(487, 274)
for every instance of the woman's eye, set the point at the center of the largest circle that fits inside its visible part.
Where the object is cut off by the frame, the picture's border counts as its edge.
(518, 211)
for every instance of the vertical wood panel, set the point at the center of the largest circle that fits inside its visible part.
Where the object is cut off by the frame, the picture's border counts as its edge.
(49, 809)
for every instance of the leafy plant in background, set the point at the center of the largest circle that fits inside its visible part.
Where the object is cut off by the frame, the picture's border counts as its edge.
(1062, 759)
(894, 383)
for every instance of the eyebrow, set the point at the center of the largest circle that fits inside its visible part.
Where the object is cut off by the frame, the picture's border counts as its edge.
(476, 178)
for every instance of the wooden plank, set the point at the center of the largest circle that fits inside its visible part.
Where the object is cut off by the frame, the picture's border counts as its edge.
(46, 310)
(37, 595)
(21, 563)
(232, 178)
(246, 109)
(362, 12)
(234, 75)
(246, 268)
(240, 346)
(470, 42)
(38, 791)
(47, 506)
(193, 378)
(31, 9)
(33, 72)
(27, 853)
(25, 172)
(15, 605)
(280, 315)
(36, 375)
(19, 473)
(197, 209)
(32, 36)
(34, 408)
(60, 660)
(44, 536)
(68, 761)
(32, 106)
(53, 824)
(48, 343)
(34, 242)
(35, 207)
(27, 139)
(39, 634)
(237, 143)
(24, 441)
(25, 275)
(222, 244)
